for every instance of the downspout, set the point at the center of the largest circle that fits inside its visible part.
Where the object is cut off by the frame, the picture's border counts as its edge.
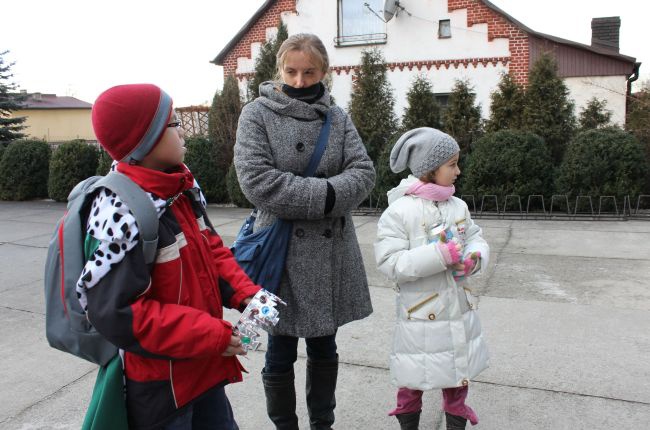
(633, 77)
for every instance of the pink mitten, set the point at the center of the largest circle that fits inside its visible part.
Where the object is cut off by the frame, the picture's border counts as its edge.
(450, 252)
(470, 263)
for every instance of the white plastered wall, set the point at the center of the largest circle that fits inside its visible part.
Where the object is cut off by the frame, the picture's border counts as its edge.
(483, 79)
(410, 38)
(414, 38)
(612, 89)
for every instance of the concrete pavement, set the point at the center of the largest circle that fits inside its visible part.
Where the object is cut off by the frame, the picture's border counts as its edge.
(565, 306)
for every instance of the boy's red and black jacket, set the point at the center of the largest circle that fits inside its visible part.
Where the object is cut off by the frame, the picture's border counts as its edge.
(167, 317)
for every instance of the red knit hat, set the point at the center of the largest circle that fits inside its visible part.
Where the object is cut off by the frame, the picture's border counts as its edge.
(129, 120)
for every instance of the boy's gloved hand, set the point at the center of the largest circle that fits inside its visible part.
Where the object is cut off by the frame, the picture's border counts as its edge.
(450, 250)
(467, 267)
(234, 347)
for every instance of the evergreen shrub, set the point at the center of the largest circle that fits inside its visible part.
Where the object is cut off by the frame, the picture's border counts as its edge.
(71, 163)
(103, 163)
(507, 105)
(222, 132)
(386, 179)
(24, 170)
(595, 115)
(603, 162)
(548, 108)
(462, 118)
(372, 104)
(10, 101)
(234, 190)
(422, 108)
(509, 162)
(637, 122)
(265, 63)
(200, 161)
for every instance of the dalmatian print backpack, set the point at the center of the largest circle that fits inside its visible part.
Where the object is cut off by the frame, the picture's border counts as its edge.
(66, 325)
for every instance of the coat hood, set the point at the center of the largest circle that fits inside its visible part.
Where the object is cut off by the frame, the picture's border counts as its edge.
(272, 97)
(400, 190)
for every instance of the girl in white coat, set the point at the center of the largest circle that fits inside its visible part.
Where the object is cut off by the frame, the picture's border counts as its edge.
(428, 244)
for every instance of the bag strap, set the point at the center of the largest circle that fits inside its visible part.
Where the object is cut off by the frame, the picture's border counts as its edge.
(141, 206)
(321, 144)
(195, 195)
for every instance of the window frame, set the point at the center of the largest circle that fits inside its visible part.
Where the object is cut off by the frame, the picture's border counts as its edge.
(342, 41)
(448, 26)
(442, 96)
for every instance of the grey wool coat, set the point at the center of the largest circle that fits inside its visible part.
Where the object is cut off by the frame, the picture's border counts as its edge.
(324, 282)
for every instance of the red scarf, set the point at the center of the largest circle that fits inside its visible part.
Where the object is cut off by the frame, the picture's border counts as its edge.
(163, 184)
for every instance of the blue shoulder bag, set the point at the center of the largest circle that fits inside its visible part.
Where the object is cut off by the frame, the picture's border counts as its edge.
(263, 254)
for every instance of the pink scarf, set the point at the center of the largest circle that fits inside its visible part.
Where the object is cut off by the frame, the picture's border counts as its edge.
(430, 191)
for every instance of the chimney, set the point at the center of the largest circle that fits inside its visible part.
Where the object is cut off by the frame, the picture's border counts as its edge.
(605, 31)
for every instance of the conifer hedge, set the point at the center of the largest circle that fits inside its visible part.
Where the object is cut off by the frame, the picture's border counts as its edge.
(603, 162)
(198, 159)
(24, 169)
(234, 190)
(509, 162)
(71, 163)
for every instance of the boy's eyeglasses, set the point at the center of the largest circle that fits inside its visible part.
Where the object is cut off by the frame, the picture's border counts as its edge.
(175, 124)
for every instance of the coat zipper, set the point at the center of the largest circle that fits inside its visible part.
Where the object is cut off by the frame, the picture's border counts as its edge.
(418, 305)
(171, 362)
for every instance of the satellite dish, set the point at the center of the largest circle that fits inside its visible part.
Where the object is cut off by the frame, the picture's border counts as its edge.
(390, 9)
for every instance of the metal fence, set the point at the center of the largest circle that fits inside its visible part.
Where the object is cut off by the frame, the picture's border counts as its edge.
(539, 207)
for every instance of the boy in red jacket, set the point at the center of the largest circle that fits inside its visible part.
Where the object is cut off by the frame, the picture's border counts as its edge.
(178, 352)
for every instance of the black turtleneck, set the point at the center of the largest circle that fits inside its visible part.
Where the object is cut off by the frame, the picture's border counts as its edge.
(307, 95)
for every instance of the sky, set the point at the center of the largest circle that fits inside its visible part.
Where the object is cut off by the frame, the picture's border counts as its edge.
(80, 48)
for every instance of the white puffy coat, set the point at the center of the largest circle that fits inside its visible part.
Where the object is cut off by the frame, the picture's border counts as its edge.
(438, 341)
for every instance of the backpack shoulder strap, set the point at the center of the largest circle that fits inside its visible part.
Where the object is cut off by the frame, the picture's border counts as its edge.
(140, 205)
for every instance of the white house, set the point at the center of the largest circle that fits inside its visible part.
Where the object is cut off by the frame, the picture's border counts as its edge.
(443, 40)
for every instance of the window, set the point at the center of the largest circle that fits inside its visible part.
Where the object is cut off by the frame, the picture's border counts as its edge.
(444, 29)
(443, 100)
(358, 24)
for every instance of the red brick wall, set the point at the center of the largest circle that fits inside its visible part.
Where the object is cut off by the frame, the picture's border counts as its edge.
(499, 27)
(257, 33)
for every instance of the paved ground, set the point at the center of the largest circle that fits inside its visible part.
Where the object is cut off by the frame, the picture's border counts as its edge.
(565, 305)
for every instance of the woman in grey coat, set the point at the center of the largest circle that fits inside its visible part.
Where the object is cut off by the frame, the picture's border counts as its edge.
(324, 283)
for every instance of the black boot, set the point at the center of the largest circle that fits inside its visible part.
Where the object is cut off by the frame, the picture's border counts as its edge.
(321, 385)
(454, 422)
(280, 395)
(410, 421)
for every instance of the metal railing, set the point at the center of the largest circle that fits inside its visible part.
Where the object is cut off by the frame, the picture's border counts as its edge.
(559, 207)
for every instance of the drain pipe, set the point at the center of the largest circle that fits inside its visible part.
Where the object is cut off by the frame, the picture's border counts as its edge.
(633, 77)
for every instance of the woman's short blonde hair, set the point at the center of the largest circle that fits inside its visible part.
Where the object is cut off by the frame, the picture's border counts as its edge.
(307, 43)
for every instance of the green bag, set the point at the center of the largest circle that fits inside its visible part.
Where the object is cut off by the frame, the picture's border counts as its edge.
(107, 409)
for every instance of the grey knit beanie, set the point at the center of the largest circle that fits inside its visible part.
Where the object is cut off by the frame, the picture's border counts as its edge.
(422, 150)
